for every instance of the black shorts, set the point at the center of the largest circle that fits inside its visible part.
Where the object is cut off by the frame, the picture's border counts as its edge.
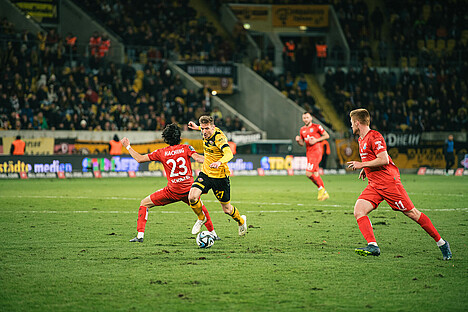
(221, 186)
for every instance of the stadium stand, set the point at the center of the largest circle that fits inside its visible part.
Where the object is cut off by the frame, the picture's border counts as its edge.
(40, 89)
(426, 91)
(428, 30)
(175, 31)
(410, 100)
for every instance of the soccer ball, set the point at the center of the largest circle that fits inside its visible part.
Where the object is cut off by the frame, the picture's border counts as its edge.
(205, 239)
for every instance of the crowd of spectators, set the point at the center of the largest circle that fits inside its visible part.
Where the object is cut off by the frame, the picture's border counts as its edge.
(38, 93)
(428, 29)
(171, 26)
(354, 20)
(433, 99)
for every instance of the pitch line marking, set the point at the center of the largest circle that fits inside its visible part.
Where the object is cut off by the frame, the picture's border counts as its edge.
(216, 211)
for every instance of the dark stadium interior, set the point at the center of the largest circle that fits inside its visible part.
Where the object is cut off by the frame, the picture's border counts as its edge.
(414, 75)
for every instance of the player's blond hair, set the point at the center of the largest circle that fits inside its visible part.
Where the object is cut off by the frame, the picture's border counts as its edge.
(361, 115)
(205, 119)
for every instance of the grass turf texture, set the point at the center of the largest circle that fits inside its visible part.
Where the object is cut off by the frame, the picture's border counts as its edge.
(64, 247)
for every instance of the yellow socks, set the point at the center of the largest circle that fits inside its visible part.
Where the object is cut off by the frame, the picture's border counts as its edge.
(197, 208)
(236, 215)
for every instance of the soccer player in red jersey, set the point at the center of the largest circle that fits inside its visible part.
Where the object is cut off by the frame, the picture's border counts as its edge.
(176, 161)
(312, 134)
(383, 184)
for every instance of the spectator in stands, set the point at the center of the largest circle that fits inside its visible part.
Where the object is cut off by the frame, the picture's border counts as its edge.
(449, 153)
(302, 84)
(289, 56)
(94, 44)
(18, 146)
(321, 53)
(115, 146)
(104, 46)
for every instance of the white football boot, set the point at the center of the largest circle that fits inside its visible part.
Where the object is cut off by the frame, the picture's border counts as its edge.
(197, 226)
(243, 227)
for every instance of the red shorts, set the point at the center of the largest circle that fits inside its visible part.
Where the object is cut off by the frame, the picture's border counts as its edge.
(165, 196)
(394, 194)
(313, 161)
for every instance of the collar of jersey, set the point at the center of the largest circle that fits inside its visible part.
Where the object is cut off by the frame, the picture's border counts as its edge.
(214, 134)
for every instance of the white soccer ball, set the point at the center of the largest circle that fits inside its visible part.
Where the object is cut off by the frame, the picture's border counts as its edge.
(205, 239)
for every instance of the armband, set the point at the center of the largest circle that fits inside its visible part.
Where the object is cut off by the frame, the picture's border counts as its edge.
(128, 147)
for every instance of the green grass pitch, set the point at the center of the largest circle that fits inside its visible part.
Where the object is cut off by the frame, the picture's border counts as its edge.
(64, 247)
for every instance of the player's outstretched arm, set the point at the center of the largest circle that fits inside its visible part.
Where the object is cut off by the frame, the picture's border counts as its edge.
(198, 158)
(193, 126)
(137, 156)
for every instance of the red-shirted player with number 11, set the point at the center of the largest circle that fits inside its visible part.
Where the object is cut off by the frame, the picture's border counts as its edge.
(311, 135)
(176, 161)
(384, 184)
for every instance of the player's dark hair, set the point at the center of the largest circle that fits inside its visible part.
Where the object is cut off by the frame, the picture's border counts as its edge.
(171, 134)
(361, 115)
(205, 119)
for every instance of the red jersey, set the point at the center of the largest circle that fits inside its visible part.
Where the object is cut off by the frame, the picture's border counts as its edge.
(176, 162)
(315, 131)
(369, 146)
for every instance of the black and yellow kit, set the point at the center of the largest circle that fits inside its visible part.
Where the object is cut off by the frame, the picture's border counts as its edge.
(216, 148)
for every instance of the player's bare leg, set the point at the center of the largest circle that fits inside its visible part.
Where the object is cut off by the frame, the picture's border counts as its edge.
(197, 207)
(427, 225)
(234, 213)
(361, 209)
(145, 204)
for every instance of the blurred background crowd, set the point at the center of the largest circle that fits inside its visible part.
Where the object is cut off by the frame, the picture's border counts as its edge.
(46, 84)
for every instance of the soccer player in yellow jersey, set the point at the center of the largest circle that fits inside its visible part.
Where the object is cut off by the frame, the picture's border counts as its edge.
(214, 175)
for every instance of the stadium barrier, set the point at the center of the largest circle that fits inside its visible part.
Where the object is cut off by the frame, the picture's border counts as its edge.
(106, 166)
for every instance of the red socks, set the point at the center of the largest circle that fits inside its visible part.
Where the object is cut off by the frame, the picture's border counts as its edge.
(365, 227)
(142, 218)
(208, 223)
(426, 224)
(317, 180)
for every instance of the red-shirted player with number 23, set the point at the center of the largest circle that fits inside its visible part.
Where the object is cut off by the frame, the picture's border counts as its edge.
(176, 161)
(312, 135)
(383, 184)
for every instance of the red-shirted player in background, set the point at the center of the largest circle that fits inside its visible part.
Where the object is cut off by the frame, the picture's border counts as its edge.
(311, 134)
(384, 184)
(176, 161)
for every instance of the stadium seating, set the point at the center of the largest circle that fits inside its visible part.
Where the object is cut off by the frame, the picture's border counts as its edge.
(40, 93)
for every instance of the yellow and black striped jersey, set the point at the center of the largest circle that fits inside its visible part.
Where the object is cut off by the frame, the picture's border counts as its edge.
(214, 149)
